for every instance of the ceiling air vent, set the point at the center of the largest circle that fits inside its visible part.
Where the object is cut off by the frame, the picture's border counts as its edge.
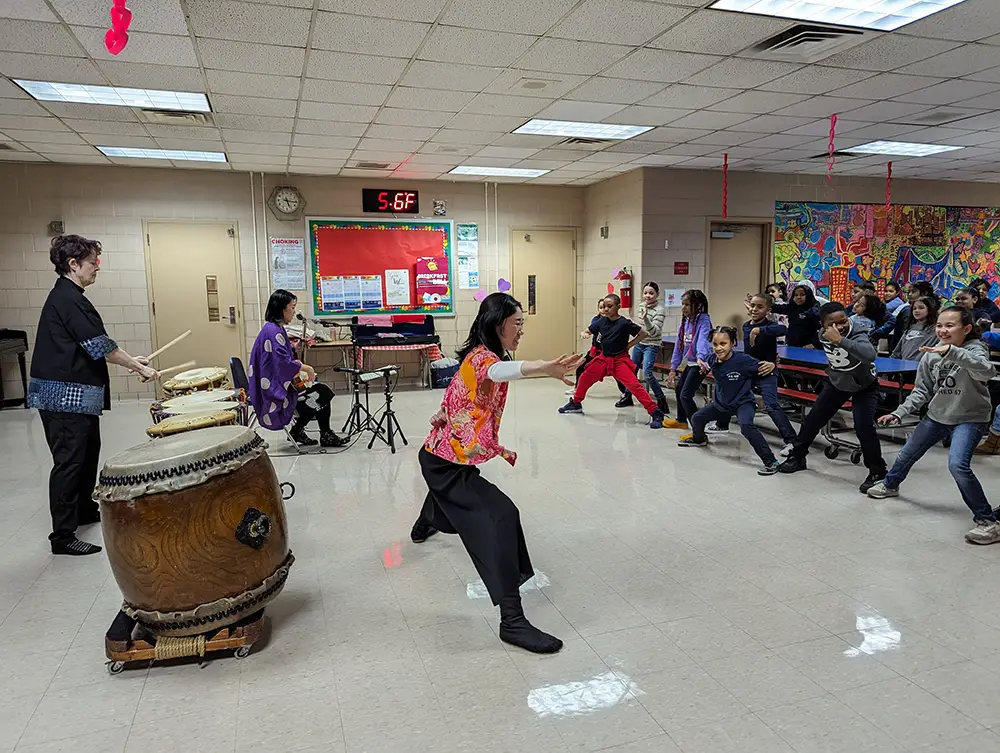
(371, 166)
(806, 43)
(841, 154)
(177, 117)
(587, 143)
(4, 147)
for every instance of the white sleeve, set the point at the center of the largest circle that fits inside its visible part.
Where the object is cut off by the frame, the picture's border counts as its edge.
(505, 371)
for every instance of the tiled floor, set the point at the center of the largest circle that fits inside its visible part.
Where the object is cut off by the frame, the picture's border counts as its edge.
(704, 609)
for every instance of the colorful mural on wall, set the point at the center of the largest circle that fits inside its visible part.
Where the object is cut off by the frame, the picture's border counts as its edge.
(836, 245)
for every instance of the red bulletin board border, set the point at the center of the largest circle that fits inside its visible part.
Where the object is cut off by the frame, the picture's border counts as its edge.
(329, 261)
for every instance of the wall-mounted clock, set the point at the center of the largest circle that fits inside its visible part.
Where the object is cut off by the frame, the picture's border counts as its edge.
(286, 203)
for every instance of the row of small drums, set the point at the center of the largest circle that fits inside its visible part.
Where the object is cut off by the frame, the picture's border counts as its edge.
(197, 399)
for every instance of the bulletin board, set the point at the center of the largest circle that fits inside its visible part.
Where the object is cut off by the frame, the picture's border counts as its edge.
(362, 267)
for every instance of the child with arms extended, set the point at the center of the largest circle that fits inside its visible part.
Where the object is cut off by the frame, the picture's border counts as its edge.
(595, 349)
(735, 374)
(465, 434)
(951, 382)
(616, 335)
(693, 345)
(803, 317)
(852, 376)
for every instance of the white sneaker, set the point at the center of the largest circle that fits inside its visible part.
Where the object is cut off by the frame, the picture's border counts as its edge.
(787, 450)
(881, 491)
(985, 532)
(713, 428)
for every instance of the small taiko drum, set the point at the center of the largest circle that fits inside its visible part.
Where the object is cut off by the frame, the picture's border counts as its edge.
(196, 402)
(193, 380)
(191, 421)
(195, 529)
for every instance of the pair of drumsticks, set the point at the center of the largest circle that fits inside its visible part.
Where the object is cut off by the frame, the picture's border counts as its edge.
(171, 369)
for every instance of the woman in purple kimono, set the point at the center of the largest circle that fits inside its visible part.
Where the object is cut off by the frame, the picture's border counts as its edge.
(273, 373)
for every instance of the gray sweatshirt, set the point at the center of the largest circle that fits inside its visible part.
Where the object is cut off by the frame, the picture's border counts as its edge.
(909, 345)
(651, 320)
(852, 360)
(953, 386)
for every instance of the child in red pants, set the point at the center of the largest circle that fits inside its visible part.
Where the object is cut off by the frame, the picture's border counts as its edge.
(615, 337)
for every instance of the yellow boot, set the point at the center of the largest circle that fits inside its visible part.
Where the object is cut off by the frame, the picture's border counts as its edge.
(669, 423)
(990, 447)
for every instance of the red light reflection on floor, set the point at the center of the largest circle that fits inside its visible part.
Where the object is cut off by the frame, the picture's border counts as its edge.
(392, 556)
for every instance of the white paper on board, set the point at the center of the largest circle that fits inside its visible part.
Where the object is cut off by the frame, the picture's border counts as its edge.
(397, 287)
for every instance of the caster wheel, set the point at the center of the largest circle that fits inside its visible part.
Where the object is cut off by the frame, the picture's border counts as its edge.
(243, 652)
(289, 492)
(115, 667)
(856, 457)
(832, 452)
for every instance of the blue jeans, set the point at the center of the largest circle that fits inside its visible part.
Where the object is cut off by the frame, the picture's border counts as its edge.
(744, 414)
(964, 438)
(995, 428)
(644, 356)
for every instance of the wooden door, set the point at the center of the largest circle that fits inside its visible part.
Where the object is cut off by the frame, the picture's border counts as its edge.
(735, 268)
(543, 266)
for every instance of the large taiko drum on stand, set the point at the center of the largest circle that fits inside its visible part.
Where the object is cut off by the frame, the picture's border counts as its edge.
(195, 529)
(193, 380)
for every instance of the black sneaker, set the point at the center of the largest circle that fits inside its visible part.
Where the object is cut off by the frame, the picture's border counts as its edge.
(626, 401)
(421, 532)
(770, 469)
(330, 439)
(75, 547)
(662, 405)
(794, 464)
(873, 478)
(572, 407)
(301, 438)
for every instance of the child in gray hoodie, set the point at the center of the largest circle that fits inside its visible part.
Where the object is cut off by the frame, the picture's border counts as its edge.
(852, 376)
(951, 382)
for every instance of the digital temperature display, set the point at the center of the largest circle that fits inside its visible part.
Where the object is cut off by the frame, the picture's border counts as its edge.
(381, 201)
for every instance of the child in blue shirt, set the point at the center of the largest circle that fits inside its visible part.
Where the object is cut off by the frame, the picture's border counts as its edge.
(735, 374)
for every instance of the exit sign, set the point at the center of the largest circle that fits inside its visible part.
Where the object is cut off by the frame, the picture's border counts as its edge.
(681, 268)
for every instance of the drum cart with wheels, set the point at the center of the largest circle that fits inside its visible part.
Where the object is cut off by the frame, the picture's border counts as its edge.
(143, 647)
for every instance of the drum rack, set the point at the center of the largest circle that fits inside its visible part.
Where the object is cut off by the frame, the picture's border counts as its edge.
(238, 638)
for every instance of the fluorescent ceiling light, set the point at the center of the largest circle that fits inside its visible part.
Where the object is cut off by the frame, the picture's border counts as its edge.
(498, 172)
(581, 130)
(174, 154)
(902, 148)
(154, 99)
(881, 15)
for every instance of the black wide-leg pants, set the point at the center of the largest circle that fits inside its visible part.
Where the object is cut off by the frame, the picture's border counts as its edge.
(75, 442)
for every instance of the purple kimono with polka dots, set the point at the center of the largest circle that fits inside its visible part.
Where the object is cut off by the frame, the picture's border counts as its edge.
(272, 368)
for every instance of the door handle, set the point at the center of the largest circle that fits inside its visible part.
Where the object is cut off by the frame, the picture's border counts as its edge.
(232, 315)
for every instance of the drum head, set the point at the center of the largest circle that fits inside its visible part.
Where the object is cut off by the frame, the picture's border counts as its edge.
(196, 378)
(177, 462)
(202, 401)
(191, 421)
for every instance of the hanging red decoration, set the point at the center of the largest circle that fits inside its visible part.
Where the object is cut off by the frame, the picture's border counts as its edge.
(888, 192)
(725, 185)
(116, 37)
(830, 159)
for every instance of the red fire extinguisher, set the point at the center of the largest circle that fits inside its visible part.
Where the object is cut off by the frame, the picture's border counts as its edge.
(625, 288)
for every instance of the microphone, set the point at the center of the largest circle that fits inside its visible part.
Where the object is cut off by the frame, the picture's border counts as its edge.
(311, 321)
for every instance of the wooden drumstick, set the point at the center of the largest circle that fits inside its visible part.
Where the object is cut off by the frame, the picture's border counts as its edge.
(171, 369)
(173, 342)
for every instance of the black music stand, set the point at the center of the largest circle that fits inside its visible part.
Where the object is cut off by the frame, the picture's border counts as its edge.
(388, 424)
(360, 418)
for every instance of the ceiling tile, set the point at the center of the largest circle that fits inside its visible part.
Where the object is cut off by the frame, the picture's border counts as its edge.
(454, 136)
(367, 35)
(342, 92)
(366, 69)
(32, 36)
(965, 60)
(310, 152)
(108, 127)
(425, 118)
(880, 112)
(27, 10)
(50, 68)
(881, 131)
(428, 99)
(632, 147)
(716, 33)
(536, 164)
(508, 151)
(43, 137)
(955, 136)
(337, 112)
(426, 74)
(90, 112)
(956, 91)
(168, 18)
(756, 102)
(710, 120)
(618, 21)
(450, 44)
(9, 90)
(29, 123)
(688, 97)
(23, 107)
(379, 131)
(141, 142)
(780, 141)
(814, 79)
(673, 135)
(739, 73)
(691, 150)
(888, 52)
(183, 132)
(253, 84)
(389, 145)
(324, 142)
(647, 116)
(496, 104)
(20, 156)
(969, 21)
(818, 107)
(237, 136)
(567, 56)
(474, 122)
(248, 22)
(413, 10)
(984, 122)
(566, 109)
(771, 124)
(522, 16)
(251, 57)
(281, 108)
(525, 83)
(142, 48)
(660, 65)
(147, 76)
(255, 158)
(658, 160)
(618, 90)
(520, 140)
(885, 85)
(198, 145)
(726, 138)
(254, 122)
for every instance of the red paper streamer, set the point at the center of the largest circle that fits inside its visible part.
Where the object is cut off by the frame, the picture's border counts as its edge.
(725, 185)
(830, 159)
(888, 192)
(116, 37)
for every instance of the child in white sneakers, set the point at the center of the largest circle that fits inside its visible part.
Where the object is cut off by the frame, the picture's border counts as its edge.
(951, 382)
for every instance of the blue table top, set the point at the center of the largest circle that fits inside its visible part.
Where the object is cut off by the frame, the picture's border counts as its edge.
(818, 358)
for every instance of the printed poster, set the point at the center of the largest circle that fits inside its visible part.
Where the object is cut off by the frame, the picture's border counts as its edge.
(371, 291)
(432, 280)
(331, 290)
(288, 263)
(397, 287)
(467, 255)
